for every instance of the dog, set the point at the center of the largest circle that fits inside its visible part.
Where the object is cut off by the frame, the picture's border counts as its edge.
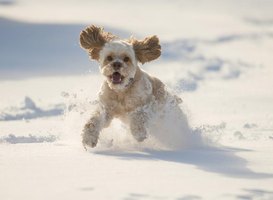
(128, 92)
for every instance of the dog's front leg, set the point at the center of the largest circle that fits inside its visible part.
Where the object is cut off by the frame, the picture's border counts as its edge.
(99, 120)
(138, 121)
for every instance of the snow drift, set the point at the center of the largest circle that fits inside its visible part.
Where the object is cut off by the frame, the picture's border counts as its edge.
(168, 129)
(29, 110)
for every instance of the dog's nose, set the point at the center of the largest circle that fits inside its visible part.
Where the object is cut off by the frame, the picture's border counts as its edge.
(117, 65)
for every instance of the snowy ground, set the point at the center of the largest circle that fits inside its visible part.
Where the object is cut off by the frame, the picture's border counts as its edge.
(217, 55)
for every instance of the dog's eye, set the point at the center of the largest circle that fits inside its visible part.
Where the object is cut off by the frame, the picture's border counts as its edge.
(109, 58)
(126, 59)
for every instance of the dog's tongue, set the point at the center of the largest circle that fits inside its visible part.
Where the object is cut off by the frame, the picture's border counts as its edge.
(116, 78)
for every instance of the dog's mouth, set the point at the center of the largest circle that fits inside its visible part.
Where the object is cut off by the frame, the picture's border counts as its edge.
(116, 78)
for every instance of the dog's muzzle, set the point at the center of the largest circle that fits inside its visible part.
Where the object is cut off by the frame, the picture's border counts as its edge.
(117, 65)
(116, 78)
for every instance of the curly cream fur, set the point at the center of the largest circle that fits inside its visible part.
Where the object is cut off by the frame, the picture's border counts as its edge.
(93, 39)
(131, 99)
(146, 50)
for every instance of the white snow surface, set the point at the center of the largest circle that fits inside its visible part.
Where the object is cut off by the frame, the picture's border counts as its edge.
(216, 55)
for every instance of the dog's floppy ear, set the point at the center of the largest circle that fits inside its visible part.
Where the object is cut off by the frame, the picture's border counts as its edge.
(93, 39)
(146, 50)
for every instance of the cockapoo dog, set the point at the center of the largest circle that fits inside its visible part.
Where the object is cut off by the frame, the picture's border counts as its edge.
(128, 93)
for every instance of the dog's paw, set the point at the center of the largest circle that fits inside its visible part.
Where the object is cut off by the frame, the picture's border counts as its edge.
(89, 136)
(140, 136)
(89, 140)
(138, 131)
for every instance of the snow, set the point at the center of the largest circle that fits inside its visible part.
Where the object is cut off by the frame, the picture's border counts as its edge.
(29, 110)
(217, 57)
(12, 139)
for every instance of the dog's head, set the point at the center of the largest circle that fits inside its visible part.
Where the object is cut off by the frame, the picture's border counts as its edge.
(118, 58)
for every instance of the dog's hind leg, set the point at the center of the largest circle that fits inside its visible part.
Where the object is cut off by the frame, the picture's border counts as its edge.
(99, 120)
(137, 122)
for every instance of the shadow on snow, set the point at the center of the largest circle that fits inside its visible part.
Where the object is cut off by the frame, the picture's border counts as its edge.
(222, 161)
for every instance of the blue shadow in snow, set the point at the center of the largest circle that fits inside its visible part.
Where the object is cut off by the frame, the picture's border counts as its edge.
(222, 161)
(7, 2)
(31, 111)
(13, 139)
(255, 194)
(31, 49)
